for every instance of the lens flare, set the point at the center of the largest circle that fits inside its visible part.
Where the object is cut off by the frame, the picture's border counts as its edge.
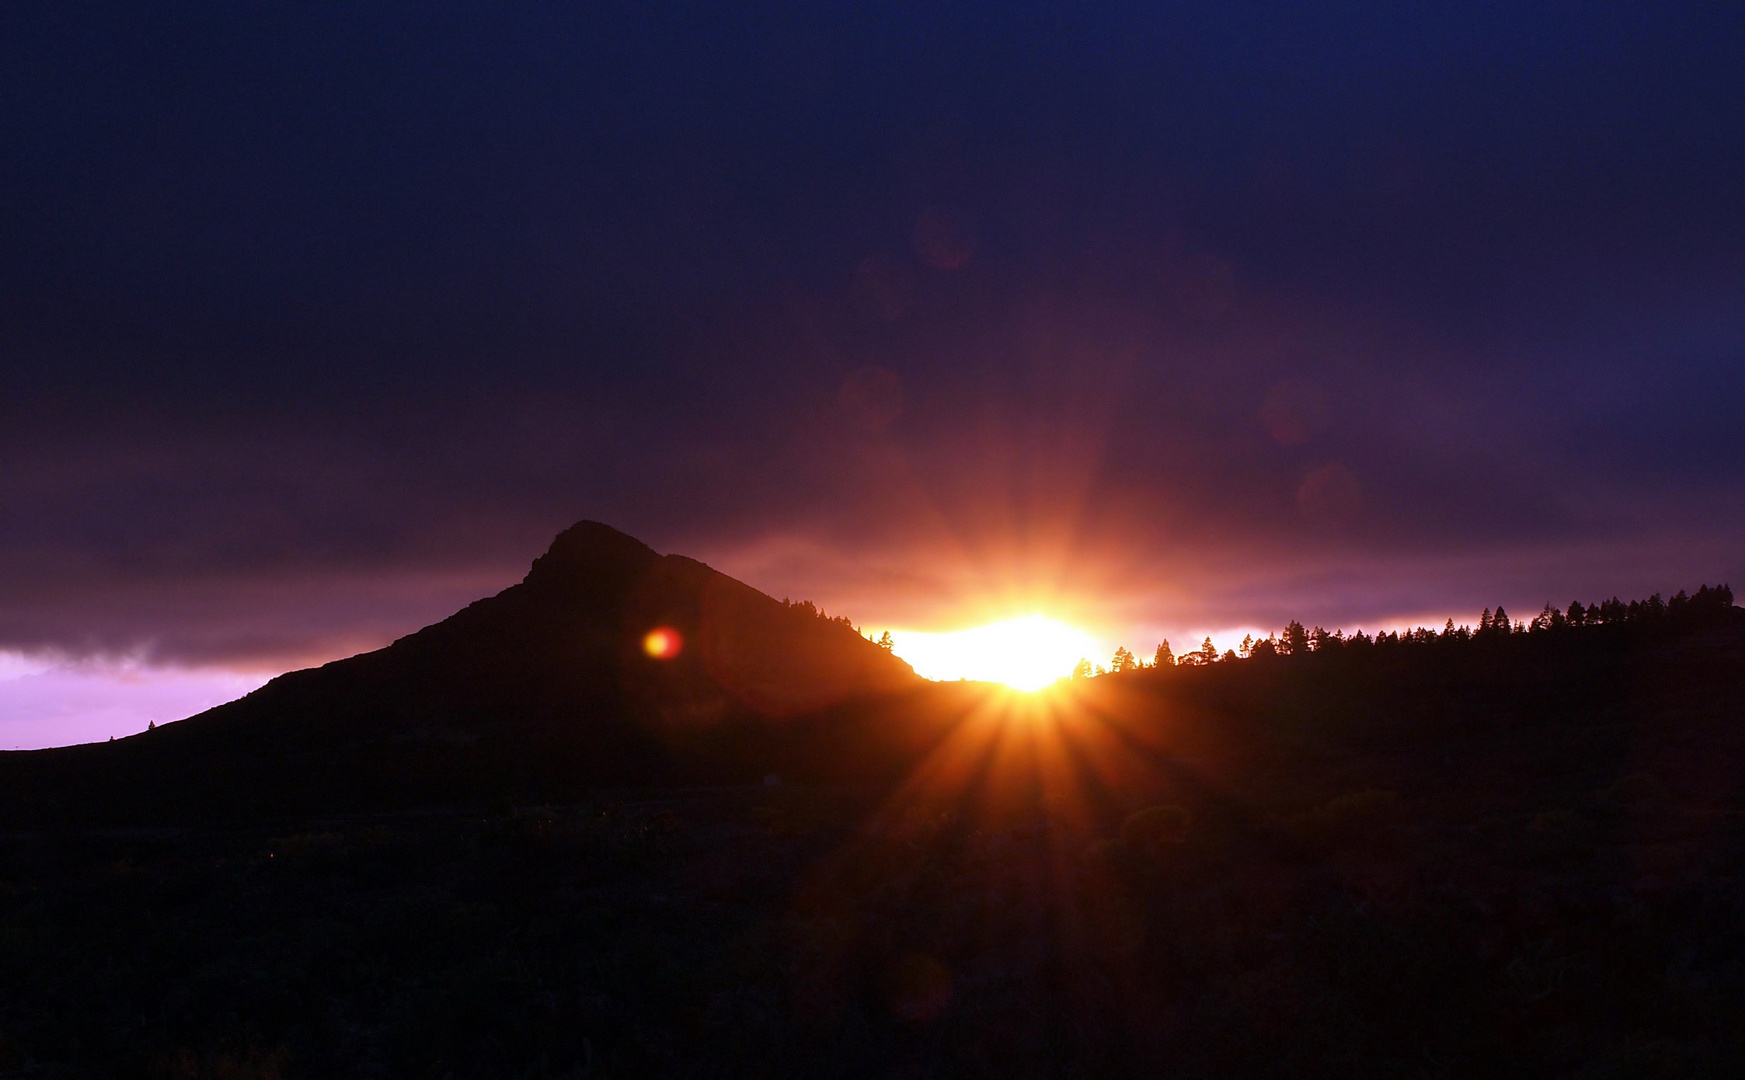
(1025, 653)
(662, 643)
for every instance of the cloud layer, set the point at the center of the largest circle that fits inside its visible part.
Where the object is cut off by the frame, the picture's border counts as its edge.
(316, 324)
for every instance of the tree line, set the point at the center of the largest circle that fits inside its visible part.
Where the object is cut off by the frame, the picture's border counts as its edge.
(806, 607)
(1708, 606)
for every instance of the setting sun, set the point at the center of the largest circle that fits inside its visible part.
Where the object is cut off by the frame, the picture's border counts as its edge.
(1025, 653)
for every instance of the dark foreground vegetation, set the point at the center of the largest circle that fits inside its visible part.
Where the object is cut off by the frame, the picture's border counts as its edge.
(1503, 855)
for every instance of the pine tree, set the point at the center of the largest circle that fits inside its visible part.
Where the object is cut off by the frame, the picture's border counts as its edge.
(1163, 657)
(1295, 640)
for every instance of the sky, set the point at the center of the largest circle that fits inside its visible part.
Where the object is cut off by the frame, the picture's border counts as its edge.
(318, 321)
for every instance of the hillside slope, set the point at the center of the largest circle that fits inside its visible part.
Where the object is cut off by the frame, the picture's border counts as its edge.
(530, 692)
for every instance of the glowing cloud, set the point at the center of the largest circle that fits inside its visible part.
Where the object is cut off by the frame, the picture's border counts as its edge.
(1025, 653)
(58, 701)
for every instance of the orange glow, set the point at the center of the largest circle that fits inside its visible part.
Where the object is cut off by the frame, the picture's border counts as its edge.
(662, 643)
(1026, 653)
(1006, 751)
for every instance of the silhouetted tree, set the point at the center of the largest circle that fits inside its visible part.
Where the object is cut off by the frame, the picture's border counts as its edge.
(1082, 669)
(1709, 605)
(806, 607)
(1163, 657)
(1295, 640)
(887, 642)
(1123, 660)
(1495, 623)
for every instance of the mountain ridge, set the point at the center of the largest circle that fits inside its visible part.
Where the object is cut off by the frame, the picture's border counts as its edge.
(573, 628)
(541, 687)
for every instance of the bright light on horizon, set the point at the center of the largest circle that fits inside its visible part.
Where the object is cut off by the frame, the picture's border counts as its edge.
(1025, 653)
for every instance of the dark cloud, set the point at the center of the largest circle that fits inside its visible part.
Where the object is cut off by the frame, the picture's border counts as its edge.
(314, 319)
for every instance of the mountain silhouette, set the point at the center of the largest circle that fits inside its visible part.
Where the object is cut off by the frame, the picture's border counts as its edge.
(515, 843)
(570, 638)
(526, 694)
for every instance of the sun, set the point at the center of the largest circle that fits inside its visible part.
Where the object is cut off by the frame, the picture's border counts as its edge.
(1026, 653)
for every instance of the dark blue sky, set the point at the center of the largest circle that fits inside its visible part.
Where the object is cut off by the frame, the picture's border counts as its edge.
(316, 321)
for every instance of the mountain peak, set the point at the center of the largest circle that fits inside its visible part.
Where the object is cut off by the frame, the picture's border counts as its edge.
(567, 644)
(590, 550)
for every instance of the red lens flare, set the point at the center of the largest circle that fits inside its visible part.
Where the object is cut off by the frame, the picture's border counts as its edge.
(662, 643)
